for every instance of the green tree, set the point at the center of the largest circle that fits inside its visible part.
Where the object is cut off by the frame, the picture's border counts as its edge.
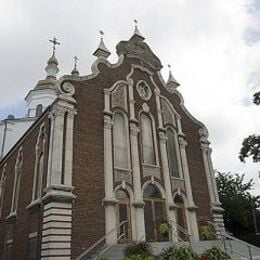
(251, 144)
(234, 194)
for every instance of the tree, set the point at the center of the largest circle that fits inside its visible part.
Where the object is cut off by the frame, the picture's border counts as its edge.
(251, 144)
(234, 194)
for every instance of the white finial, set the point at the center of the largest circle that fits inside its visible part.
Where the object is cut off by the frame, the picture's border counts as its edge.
(137, 35)
(102, 50)
(171, 80)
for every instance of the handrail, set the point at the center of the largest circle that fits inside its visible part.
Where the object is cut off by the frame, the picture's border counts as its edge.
(108, 246)
(225, 235)
(180, 228)
(88, 250)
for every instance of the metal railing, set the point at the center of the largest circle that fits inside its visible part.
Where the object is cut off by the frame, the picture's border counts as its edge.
(226, 240)
(180, 229)
(102, 240)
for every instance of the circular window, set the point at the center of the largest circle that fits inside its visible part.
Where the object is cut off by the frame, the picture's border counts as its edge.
(144, 90)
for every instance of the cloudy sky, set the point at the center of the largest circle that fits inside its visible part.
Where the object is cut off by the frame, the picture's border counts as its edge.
(212, 45)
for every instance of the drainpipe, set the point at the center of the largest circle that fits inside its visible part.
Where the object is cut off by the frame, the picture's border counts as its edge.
(4, 137)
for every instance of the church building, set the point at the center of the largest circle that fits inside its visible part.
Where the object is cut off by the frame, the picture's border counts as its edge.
(107, 157)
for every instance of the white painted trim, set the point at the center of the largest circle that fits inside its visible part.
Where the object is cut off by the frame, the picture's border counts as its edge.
(157, 184)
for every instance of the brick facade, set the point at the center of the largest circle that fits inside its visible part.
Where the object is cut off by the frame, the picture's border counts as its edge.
(88, 221)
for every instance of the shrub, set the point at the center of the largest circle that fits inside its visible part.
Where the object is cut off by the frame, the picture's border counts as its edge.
(215, 253)
(138, 251)
(164, 230)
(181, 253)
(165, 254)
(207, 232)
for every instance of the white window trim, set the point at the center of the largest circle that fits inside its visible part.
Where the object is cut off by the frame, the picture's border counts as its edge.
(18, 169)
(154, 133)
(178, 153)
(123, 113)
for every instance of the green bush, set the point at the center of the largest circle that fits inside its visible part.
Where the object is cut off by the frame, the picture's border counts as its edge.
(164, 230)
(207, 232)
(181, 253)
(138, 251)
(215, 253)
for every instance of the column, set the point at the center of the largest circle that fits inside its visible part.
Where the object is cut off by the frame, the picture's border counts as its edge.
(167, 183)
(109, 200)
(57, 202)
(138, 196)
(190, 203)
(216, 210)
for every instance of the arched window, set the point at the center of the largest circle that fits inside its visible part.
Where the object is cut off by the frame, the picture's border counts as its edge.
(151, 191)
(39, 110)
(147, 140)
(39, 164)
(17, 180)
(120, 142)
(172, 154)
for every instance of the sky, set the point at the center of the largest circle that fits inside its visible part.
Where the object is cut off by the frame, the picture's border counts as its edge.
(213, 47)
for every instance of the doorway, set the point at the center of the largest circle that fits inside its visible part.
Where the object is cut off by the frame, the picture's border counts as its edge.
(123, 214)
(154, 213)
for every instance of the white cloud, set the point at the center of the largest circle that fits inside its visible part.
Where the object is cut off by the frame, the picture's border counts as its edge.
(204, 41)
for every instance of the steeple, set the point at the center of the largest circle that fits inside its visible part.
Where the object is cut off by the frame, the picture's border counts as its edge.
(75, 71)
(137, 35)
(102, 50)
(172, 82)
(52, 64)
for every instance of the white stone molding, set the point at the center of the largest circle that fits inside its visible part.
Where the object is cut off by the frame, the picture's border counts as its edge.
(2, 188)
(59, 178)
(119, 97)
(56, 231)
(155, 141)
(158, 106)
(131, 98)
(109, 200)
(166, 172)
(145, 108)
(143, 90)
(94, 69)
(138, 197)
(17, 181)
(190, 202)
(107, 94)
(38, 173)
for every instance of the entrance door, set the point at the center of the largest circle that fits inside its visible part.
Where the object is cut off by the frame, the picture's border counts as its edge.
(181, 216)
(154, 213)
(123, 214)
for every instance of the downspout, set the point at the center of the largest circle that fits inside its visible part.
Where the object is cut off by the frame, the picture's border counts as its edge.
(4, 137)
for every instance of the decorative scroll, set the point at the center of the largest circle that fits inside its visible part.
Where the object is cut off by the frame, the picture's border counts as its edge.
(67, 89)
(168, 115)
(119, 97)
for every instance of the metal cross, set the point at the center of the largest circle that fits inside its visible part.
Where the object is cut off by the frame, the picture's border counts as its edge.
(169, 66)
(135, 21)
(101, 33)
(75, 61)
(55, 42)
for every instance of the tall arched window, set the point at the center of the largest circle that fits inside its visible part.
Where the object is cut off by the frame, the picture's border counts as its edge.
(147, 140)
(17, 180)
(120, 142)
(172, 154)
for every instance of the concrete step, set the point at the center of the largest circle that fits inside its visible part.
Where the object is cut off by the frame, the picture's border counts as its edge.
(116, 252)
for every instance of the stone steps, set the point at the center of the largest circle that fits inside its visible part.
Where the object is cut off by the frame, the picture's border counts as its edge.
(116, 252)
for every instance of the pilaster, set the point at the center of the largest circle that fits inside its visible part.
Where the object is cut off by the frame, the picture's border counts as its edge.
(138, 196)
(58, 198)
(190, 202)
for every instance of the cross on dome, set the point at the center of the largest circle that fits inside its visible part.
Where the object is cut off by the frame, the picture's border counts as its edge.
(55, 42)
